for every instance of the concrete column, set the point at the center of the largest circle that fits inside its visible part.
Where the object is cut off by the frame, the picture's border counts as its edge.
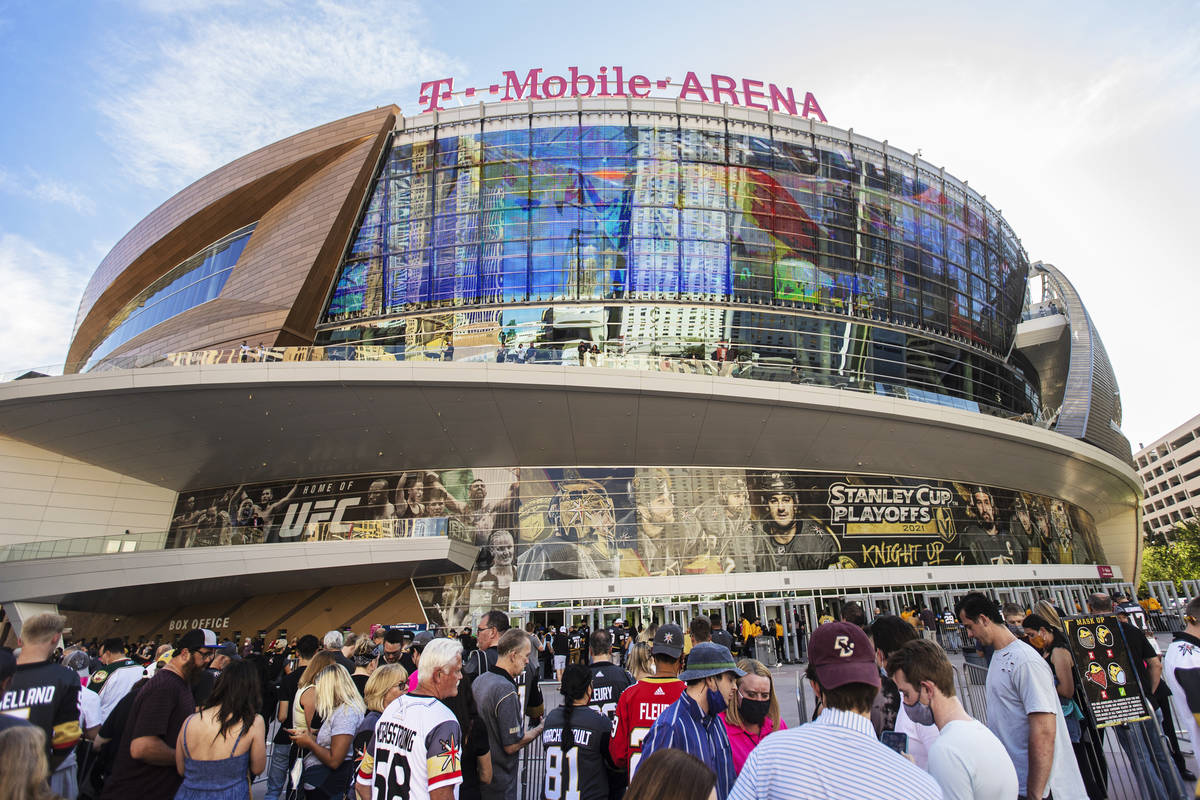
(17, 612)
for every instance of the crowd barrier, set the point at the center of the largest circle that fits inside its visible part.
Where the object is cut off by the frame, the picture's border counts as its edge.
(1134, 757)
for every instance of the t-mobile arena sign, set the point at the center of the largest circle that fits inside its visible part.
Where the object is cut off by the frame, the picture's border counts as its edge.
(614, 82)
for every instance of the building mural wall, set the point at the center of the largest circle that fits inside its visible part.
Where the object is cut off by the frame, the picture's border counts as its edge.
(535, 524)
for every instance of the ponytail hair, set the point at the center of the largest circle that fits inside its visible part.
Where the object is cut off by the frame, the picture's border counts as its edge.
(575, 682)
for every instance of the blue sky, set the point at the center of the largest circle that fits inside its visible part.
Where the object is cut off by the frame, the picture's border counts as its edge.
(1079, 121)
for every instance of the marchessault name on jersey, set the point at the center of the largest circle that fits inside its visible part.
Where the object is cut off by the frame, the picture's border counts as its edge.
(554, 736)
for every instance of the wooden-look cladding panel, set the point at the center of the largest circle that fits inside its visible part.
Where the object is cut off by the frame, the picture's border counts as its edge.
(282, 276)
(320, 173)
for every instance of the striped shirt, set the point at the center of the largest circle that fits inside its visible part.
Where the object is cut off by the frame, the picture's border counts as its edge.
(685, 727)
(835, 756)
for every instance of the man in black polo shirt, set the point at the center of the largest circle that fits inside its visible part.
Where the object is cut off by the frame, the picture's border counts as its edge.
(493, 625)
(47, 695)
(145, 766)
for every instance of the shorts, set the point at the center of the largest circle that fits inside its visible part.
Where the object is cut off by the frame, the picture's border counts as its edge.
(560, 663)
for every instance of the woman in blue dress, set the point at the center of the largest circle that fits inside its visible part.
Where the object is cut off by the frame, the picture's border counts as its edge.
(221, 748)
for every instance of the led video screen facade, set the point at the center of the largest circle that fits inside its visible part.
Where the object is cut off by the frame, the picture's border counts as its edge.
(656, 209)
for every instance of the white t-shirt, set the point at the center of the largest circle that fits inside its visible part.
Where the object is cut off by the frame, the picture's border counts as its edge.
(920, 737)
(1020, 683)
(968, 761)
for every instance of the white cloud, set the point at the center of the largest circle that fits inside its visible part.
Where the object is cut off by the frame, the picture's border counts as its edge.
(216, 85)
(41, 292)
(46, 190)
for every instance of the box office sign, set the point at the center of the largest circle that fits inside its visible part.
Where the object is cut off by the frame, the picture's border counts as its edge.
(1109, 681)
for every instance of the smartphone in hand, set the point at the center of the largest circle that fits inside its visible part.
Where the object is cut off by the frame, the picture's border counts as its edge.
(896, 741)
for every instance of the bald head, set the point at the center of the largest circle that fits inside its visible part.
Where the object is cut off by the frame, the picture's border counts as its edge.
(1100, 603)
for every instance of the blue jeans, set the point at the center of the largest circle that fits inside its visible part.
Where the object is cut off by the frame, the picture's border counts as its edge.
(277, 770)
(1148, 762)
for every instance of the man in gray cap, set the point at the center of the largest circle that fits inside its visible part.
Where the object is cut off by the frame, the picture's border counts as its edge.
(691, 723)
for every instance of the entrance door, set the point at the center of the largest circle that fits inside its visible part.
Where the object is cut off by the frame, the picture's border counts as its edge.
(802, 617)
(680, 615)
(938, 601)
(776, 610)
(609, 615)
(1024, 597)
(882, 604)
(715, 612)
(584, 616)
(861, 599)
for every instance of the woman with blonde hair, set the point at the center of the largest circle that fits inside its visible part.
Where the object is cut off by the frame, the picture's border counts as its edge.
(641, 663)
(23, 764)
(385, 684)
(364, 663)
(304, 710)
(329, 764)
(754, 712)
(1049, 613)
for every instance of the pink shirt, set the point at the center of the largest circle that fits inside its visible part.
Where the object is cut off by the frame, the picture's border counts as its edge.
(741, 742)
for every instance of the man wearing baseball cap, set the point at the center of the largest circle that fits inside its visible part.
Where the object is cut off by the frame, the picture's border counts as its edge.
(641, 704)
(145, 765)
(691, 723)
(852, 762)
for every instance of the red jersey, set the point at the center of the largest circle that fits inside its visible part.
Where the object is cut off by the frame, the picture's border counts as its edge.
(637, 708)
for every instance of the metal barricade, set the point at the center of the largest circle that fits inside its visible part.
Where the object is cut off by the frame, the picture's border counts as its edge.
(1135, 760)
(802, 712)
(971, 681)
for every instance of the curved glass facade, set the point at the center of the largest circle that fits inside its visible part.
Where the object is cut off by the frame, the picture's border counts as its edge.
(730, 341)
(670, 208)
(197, 280)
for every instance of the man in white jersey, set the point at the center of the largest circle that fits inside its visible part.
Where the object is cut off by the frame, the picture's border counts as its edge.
(1181, 671)
(966, 759)
(418, 742)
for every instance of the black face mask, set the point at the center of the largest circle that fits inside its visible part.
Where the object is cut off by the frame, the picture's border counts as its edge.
(753, 711)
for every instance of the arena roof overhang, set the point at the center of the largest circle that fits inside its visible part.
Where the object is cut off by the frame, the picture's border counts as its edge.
(127, 583)
(204, 426)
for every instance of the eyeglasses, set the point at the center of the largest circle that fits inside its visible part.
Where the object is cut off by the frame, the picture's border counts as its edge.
(394, 655)
(483, 628)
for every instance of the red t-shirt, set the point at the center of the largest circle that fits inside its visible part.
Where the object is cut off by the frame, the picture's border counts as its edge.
(637, 708)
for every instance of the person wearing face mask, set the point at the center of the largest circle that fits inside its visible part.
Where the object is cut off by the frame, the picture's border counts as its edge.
(691, 723)
(967, 760)
(755, 712)
(889, 633)
(1048, 640)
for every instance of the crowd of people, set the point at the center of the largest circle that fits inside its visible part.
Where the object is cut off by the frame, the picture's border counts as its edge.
(657, 713)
